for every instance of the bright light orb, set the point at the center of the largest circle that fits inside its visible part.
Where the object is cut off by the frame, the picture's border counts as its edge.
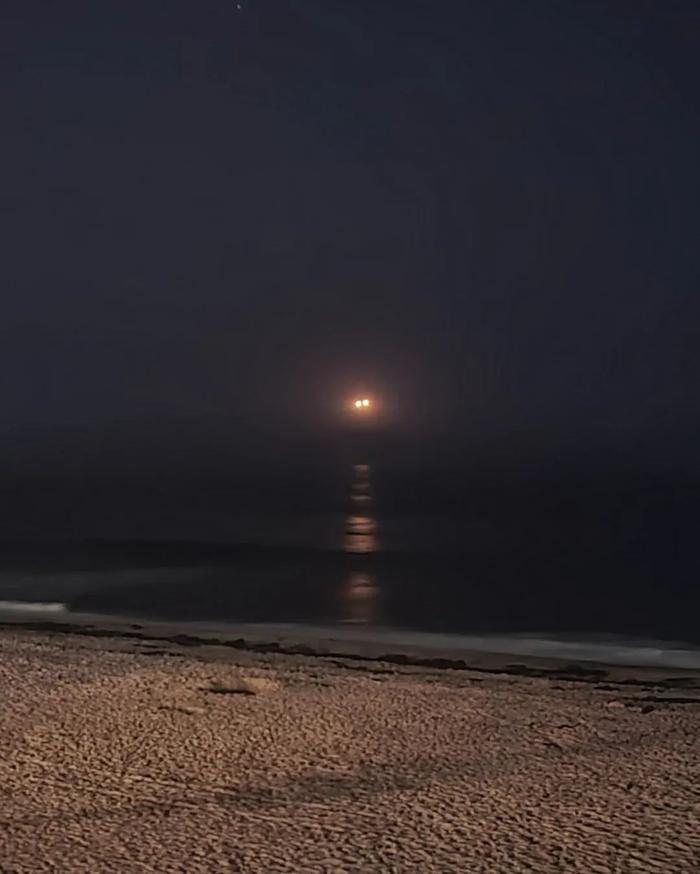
(362, 404)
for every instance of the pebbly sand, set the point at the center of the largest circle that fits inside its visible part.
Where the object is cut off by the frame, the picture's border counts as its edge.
(142, 755)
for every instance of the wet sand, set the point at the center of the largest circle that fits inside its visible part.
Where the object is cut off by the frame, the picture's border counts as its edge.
(141, 754)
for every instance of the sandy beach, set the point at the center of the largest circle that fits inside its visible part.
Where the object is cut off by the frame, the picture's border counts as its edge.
(140, 755)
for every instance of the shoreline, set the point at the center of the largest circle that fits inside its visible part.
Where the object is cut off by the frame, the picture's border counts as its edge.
(389, 646)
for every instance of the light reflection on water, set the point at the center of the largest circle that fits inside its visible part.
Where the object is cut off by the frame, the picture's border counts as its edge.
(359, 604)
(361, 525)
(361, 500)
(361, 487)
(361, 535)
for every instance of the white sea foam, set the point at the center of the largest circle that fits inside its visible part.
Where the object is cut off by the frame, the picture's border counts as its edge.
(32, 607)
(633, 652)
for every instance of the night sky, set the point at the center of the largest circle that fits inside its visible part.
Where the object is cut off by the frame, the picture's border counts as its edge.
(220, 220)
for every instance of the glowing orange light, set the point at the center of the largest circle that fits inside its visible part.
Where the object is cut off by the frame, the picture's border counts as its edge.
(362, 404)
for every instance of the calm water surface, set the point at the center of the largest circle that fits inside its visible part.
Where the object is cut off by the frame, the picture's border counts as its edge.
(362, 547)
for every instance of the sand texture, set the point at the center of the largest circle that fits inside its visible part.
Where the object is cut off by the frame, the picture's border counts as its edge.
(137, 757)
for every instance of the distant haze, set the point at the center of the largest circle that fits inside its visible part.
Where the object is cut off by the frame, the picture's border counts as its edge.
(219, 222)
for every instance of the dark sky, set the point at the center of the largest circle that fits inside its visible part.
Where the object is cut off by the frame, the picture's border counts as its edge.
(219, 221)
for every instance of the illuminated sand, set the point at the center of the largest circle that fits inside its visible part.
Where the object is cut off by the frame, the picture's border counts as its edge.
(134, 756)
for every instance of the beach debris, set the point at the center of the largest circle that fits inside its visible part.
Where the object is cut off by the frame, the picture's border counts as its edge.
(240, 685)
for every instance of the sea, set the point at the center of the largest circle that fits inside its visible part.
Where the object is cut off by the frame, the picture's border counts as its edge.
(601, 567)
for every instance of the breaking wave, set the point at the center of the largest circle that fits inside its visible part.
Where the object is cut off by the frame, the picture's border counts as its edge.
(33, 607)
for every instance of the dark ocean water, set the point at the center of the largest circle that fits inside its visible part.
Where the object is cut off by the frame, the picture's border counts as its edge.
(357, 545)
